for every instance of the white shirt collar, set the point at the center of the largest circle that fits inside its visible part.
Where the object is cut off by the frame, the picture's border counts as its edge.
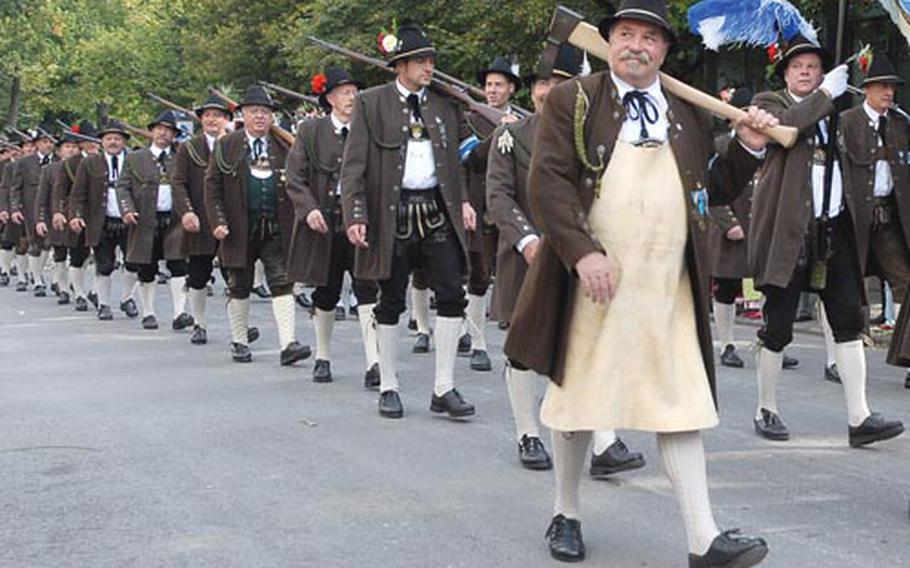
(404, 92)
(250, 139)
(795, 97)
(156, 151)
(210, 141)
(654, 89)
(872, 113)
(336, 122)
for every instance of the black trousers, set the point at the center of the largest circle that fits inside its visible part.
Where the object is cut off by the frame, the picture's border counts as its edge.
(113, 236)
(263, 243)
(438, 255)
(60, 253)
(727, 289)
(79, 253)
(482, 264)
(326, 297)
(199, 271)
(842, 295)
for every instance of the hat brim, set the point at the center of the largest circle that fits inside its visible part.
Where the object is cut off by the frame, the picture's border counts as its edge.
(265, 104)
(199, 111)
(801, 49)
(323, 97)
(152, 125)
(419, 52)
(513, 78)
(887, 79)
(121, 132)
(607, 23)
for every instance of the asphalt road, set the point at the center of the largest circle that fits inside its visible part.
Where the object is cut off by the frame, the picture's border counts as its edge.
(122, 447)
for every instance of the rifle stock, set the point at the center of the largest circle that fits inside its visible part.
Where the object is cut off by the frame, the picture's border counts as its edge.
(279, 132)
(172, 105)
(67, 129)
(140, 132)
(290, 93)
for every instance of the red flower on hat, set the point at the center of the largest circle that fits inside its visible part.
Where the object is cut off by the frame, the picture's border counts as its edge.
(75, 128)
(864, 59)
(773, 53)
(318, 83)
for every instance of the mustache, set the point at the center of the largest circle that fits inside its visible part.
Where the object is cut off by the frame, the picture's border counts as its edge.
(629, 55)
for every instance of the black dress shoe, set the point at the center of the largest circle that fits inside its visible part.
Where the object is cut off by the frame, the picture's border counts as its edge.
(452, 404)
(731, 550)
(322, 371)
(81, 304)
(21, 287)
(390, 405)
(464, 345)
(55, 289)
(564, 539)
(150, 322)
(262, 292)
(93, 298)
(422, 343)
(371, 379)
(874, 429)
(532, 454)
(907, 381)
(241, 353)
(104, 313)
(40, 291)
(182, 322)
(63, 298)
(252, 334)
(614, 459)
(129, 308)
(832, 374)
(303, 301)
(339, 313)
(789, 362)
(294, 352)
(412, 324)
(480, 361)
(729, 358)
(199, 336)
(771, 427)
(4, 279)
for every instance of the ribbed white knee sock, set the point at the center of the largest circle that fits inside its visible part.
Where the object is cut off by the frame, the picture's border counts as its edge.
(323, 322)
(420, 307)
(570, 452)
(447, 332)
(523, 386)
(724, 316)
(476, 319)
(768, 371)
(147, 297)
(851, 362)
(239, 316)
(197, 304)
(285, 318)
(368, 333)
(387, 338)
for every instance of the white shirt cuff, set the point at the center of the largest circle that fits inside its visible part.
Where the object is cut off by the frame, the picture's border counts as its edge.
(525, 241)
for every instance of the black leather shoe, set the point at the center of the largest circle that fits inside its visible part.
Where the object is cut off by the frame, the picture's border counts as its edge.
(832, 374)
(771, 427)
(252, 334)
(303, 301)
(241, 353)
(907, 381)
(182, 322)
(21, 287)
(63, 298)
(614, 459)
(339, 313)
(93, 298)
(150, 322)
(200, 336)
(729, 358)
(322, 371)
(81, 304)
(412, 324)
(422, 343)
(564, 539)
(372, 377)
(104, 313)
(789, 362)
(452, 403)
(390, 405)
(532, 454)
(294, 352)
(874, 429)
(4, 279)
(40, 291)
(262, 292)
(731, 550)
(55, 289)
(480, 361)
(464, 345)
(129, 308)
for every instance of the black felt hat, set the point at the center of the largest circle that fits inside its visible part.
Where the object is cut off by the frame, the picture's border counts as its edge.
(569, 63)
(502, 66)
(798, 46)
(882, 71)
(650, 11)
(742, 97)
(86, 128)
(113, 126)
(167, 118)
(412, 42)
(333, 77)
(213, 102)
(256, 95)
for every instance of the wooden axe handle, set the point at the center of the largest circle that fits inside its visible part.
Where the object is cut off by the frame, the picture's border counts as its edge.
(587, 37)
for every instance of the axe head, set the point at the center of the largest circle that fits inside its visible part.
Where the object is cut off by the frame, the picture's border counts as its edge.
(562, 25)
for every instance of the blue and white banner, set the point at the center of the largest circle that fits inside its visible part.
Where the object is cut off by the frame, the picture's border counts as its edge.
(900, 14)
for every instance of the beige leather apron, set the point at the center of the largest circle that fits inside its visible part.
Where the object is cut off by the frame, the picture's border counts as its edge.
(635, 363)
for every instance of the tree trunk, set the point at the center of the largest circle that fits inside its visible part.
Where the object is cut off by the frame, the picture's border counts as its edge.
(101, 110)
(12, 116)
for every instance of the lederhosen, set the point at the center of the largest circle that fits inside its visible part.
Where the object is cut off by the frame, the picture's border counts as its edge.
(114, 232)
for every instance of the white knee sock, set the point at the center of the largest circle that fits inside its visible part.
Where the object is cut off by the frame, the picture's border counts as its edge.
(448, 330)
(477, 319)
(768, 371)
(570, 452)
(851, 362)
(77, 277)
(603, 439)
(829, 335)
(724, 316)
(238, 316)
(42, 258)
(178, 294)
(22, 267)
(387, 338)
(286, 319)
(258, 274)
(420, 307)
(130, 282)
(683, 456)
(147, 297)
(6, 260)
(368, 333)
(60, 276)
(197, 304)
(103, 288)
(523, 387)
(323, 322)
(36, 267)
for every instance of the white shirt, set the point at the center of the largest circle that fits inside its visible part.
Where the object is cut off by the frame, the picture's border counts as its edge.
(113, 206)
(884, 183)
(631, 129)
(250, 141)
(165, 198)
(210, 142)
(818, 177)
(338, 125)
(419, 163)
